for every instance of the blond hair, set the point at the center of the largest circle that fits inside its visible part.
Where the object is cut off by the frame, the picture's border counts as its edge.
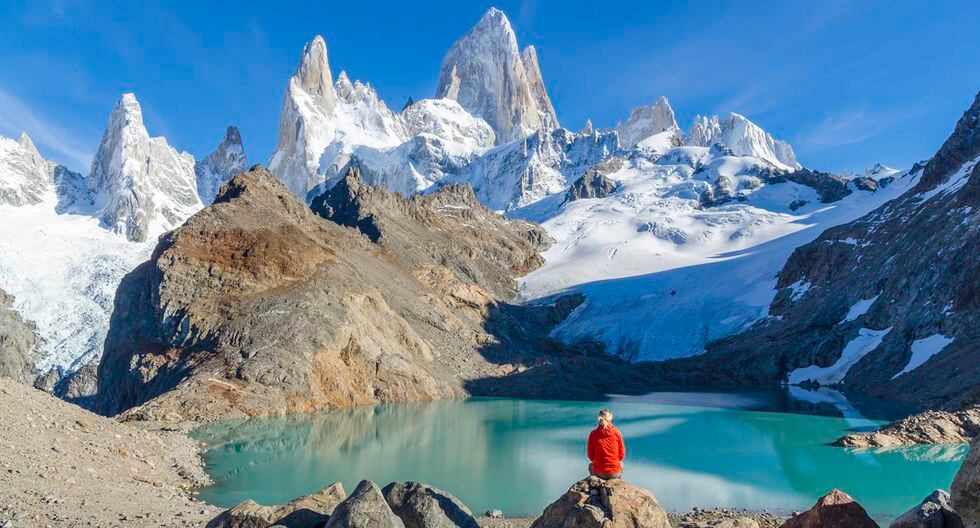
(605, 418)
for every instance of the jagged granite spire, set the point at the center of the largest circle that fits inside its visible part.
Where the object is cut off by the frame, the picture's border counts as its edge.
(588, 128)
(646, 121)
(313, 72)
(486, 73)
(305, 120)
(547, 112)
(145, 187)
(24, 175)
(226, 162)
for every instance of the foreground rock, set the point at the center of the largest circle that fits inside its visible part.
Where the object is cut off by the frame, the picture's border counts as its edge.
(422, 506)
(585, 505)
(309, 511)
(257, 306)
(966, 488)
(930, 427)
(365, 508)
(64, 466)
(936, 511)
(17, 341)
(834, 510)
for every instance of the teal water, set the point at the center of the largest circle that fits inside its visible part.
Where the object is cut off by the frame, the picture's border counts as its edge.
(519, 455)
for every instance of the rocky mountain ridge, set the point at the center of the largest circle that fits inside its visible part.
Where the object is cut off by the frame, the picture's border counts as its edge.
(393, 309)
(885, 304)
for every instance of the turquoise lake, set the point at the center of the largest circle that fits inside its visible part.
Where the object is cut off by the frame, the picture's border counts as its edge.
(519, 455)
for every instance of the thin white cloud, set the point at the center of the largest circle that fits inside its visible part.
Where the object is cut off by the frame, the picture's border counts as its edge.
(16, 117)
(848, 128)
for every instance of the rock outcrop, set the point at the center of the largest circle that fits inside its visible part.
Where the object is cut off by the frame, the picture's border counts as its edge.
(929, 427)
(488, 75)
(143, 186)
(17, 342)
(604, 504)
(965, 491)
(308, 511)
(226, 162)
(422, 506)
(887, 304)
(935, 511)
(365, 508)
(834, 510)
(257, 306)
(595, 183)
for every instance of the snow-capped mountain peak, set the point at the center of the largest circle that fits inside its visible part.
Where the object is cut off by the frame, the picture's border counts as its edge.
(24, 175)
(743, 138)
(143, 186)
(489, 76)
(646, 121)
(313, 72)
(226, 162)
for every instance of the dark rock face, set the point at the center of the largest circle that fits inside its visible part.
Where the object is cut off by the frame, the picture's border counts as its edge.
(910, 267)
(829, 187)
(834, 510)
(257, 306)
(17, 342)
(935, 511)
(365, 508)
(966, 488)
(604, 504)
(308, 511)
(422, 506)
(594, 183)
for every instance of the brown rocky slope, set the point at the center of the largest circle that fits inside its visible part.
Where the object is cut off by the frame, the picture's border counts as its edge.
(257, 306)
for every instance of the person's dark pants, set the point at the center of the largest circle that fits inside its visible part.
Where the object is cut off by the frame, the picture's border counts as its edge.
(604, 476)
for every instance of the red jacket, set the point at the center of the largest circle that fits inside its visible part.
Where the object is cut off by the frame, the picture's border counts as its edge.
(606, 450)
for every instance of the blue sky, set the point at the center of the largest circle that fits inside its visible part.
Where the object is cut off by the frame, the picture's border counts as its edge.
(847, 83)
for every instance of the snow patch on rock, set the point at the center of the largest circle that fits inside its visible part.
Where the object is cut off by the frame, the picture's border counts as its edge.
(866, 341)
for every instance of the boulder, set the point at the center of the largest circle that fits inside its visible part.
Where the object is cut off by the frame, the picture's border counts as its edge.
(966, 488)
(422, 506)
(936, 511)
(609, 504)
(308, 511)
(365, 508)
(834, 510)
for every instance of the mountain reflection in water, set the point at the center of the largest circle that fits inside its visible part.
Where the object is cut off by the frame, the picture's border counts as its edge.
(519, 455)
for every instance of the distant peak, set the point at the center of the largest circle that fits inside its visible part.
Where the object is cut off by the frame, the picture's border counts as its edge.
(588, 128)
(233, 136)
(128, 109)
(313, 71)
(530, 55)
(495, 16)
(25, 141)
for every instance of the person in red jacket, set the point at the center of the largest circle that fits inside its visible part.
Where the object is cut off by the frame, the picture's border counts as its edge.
(606, 449)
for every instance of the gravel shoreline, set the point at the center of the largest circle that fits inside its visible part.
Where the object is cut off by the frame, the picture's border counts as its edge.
(63, 466)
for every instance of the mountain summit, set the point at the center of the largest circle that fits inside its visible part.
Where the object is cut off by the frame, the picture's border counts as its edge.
(488, 75)
(144, 186)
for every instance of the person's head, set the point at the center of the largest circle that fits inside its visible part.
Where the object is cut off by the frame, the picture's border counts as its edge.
(605, 418)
